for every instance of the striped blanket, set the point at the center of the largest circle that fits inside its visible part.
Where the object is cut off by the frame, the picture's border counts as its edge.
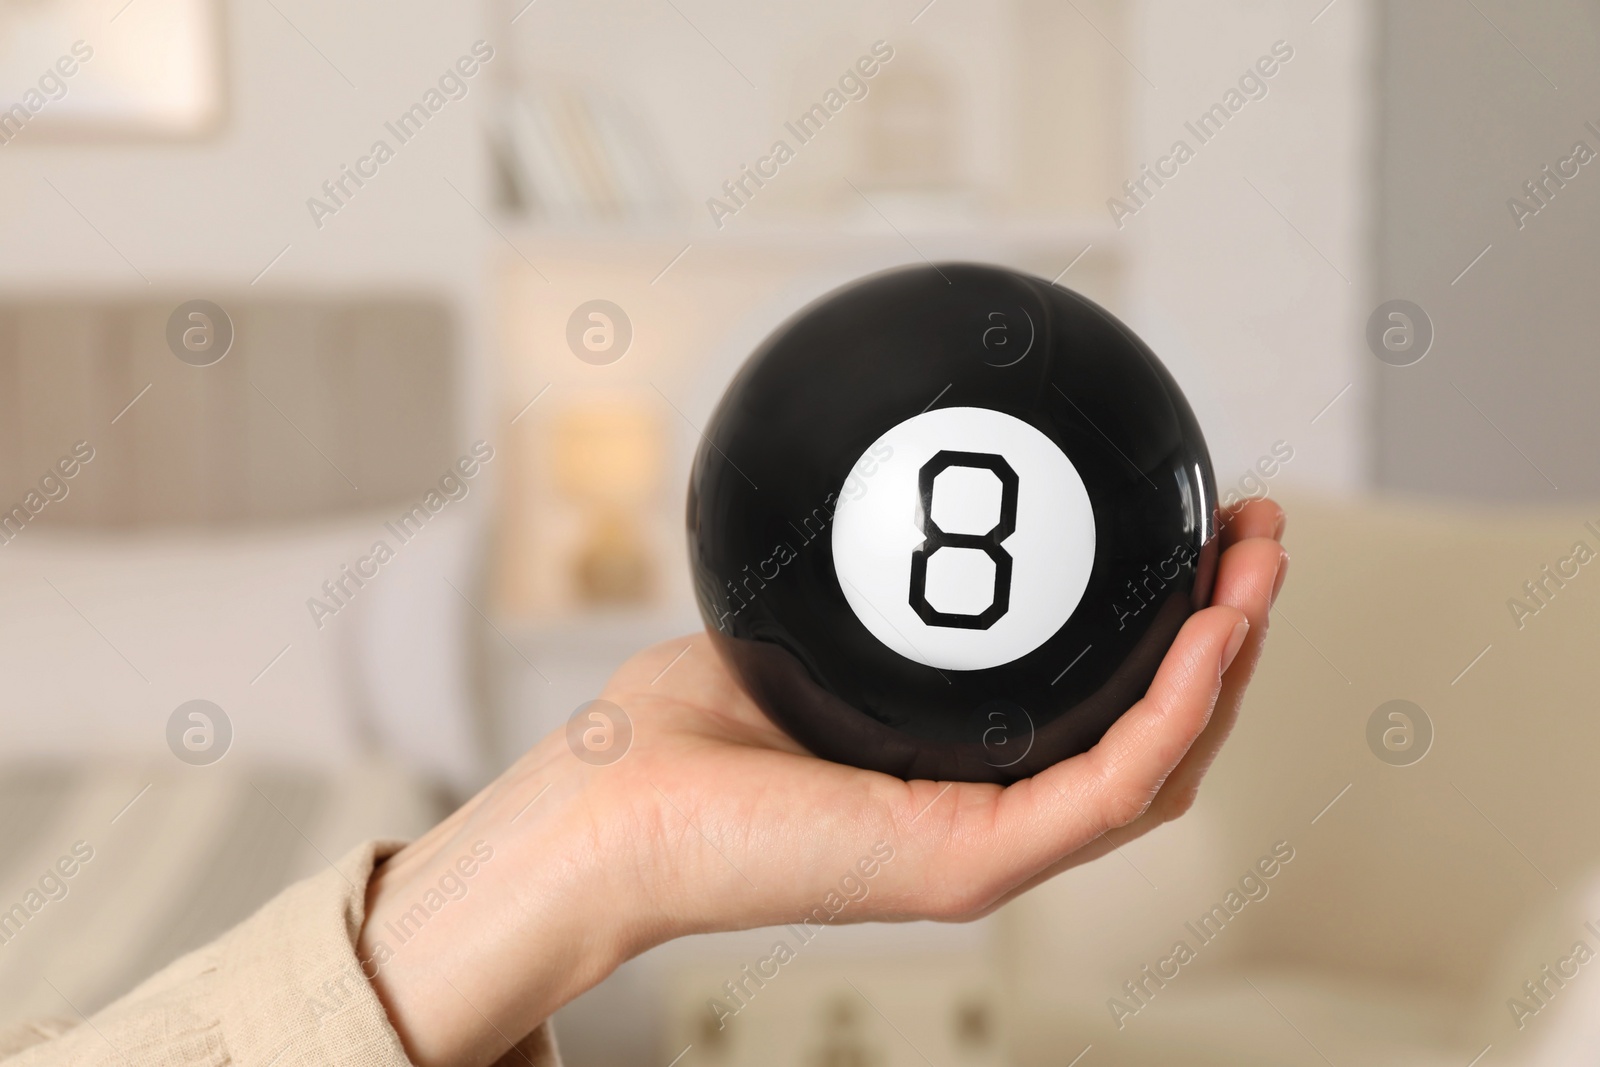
(107, 872)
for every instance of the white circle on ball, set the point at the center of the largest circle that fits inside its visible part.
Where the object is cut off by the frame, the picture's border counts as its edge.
(879, 529)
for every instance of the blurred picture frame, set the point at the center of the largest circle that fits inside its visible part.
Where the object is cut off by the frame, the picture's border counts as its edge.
(98, 70)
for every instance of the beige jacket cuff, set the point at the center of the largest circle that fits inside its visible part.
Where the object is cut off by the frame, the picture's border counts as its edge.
(283, 988)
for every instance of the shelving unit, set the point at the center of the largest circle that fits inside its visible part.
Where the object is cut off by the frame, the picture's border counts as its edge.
(1016, 185)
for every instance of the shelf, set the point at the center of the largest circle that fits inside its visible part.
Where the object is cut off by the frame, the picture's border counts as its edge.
(600, 630)
(832, 235)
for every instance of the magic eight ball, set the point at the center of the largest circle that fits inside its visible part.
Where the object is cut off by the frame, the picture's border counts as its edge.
(947, 520)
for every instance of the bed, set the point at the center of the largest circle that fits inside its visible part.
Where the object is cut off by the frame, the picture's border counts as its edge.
(165, 532)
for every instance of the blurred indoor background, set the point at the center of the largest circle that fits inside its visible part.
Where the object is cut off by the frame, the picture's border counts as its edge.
(241, 346)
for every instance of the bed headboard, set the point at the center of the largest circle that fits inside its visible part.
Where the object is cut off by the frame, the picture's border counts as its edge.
(320, 407)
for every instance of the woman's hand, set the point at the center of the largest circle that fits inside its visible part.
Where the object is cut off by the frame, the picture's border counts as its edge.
(716, 820)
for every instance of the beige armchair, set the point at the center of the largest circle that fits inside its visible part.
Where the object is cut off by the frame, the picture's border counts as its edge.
(1419, 898)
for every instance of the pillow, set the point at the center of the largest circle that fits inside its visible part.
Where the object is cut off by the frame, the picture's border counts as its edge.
(103, 636)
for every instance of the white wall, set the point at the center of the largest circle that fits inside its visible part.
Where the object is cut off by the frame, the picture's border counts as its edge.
(1258, 327)
(205, 217)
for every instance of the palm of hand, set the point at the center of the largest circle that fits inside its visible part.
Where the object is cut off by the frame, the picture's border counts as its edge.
(733, 824)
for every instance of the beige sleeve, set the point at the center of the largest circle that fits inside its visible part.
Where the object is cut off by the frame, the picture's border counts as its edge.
(281, 989)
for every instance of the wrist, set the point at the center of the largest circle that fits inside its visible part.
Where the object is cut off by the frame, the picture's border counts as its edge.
(477, 932)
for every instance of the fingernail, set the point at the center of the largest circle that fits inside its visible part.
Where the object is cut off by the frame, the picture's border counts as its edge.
(1235, 642)
(1283, 572)
(1283, 520)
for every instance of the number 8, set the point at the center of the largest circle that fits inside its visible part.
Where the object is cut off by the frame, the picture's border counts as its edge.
(989, 543)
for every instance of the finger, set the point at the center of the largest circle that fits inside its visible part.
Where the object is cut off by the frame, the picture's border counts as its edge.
(1141, 748)
(1250, 574)
(1247, 576)
(1067, 806)
(1253, 518)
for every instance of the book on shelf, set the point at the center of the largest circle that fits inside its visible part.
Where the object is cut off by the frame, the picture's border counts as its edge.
(575, 154)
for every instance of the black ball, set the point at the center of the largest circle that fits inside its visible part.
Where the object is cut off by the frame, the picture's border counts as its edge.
(947, 520)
